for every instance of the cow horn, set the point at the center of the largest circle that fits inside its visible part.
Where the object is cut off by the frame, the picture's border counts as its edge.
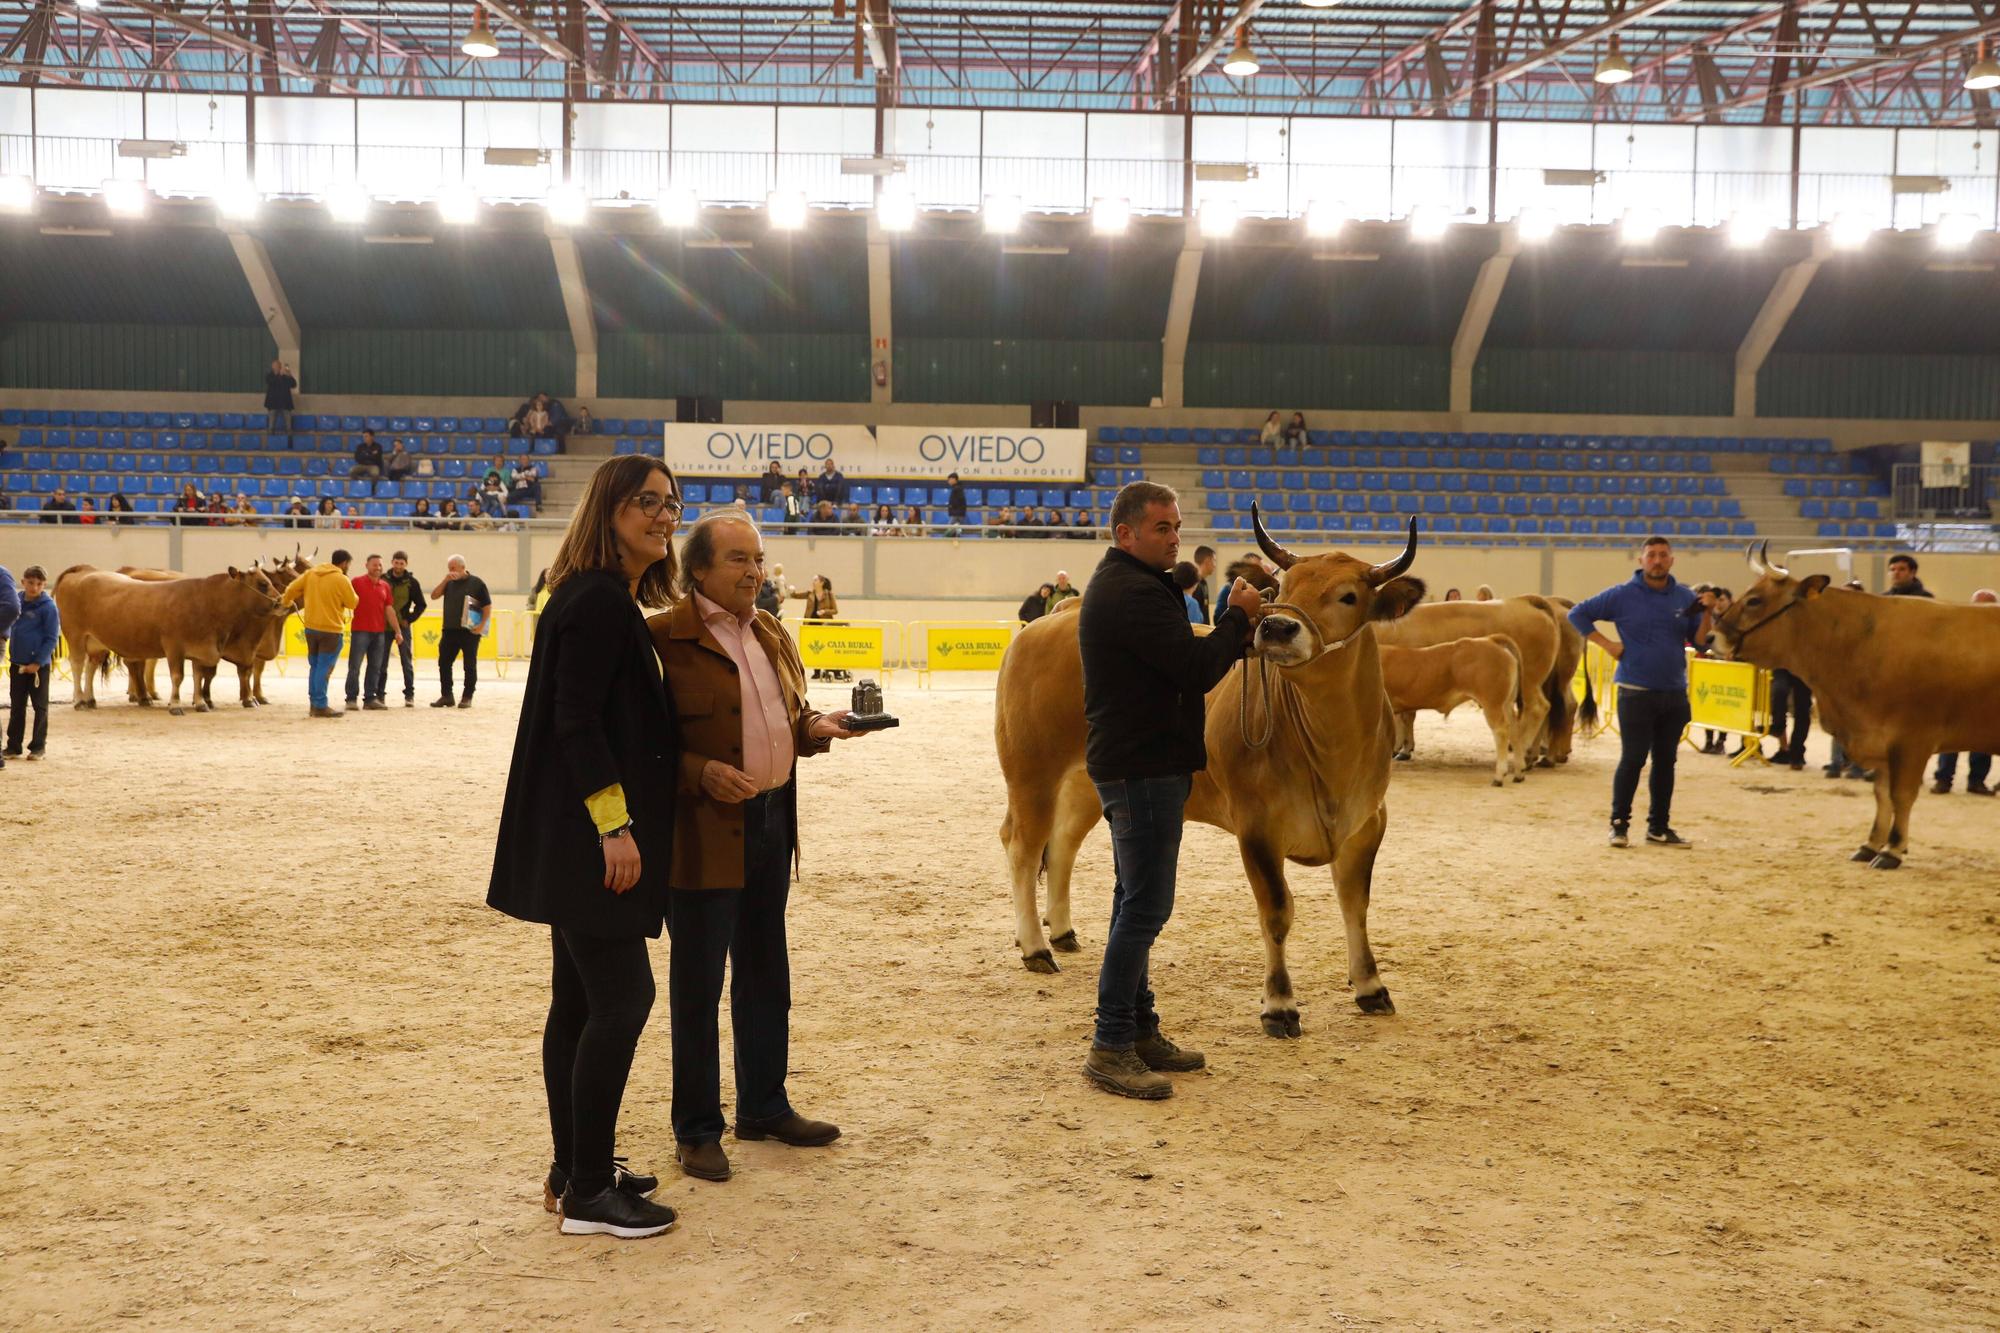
(1757, 565)
(1280, 557)
(1779, 570)
(1380, 574)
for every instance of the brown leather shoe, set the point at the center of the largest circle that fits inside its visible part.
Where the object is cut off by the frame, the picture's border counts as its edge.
(791, 1128)
(703, 1161)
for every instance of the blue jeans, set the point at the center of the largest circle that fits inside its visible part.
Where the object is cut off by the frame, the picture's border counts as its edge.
(1976, 770)
(278, 421)
(368, 665)
(1145, 816)
(322, 651)
(409, 665)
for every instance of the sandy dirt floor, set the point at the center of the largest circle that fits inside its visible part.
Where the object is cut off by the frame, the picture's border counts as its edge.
(269, 1061)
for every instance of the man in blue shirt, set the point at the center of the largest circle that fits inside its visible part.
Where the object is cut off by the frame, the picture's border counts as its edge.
(1657, 618)
(31, 649)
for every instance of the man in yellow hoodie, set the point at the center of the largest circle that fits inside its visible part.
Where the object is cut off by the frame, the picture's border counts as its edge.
(327, 596)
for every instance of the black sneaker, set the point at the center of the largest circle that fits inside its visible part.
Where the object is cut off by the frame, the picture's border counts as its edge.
(1621, 835)
(1666, 837)
(10, 754)
(632, 1182)
(614, 1212)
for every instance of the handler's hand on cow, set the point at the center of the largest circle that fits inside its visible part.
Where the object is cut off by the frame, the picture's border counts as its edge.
(621, 863)
(725, 783)
(1247, 600)
(833, 726)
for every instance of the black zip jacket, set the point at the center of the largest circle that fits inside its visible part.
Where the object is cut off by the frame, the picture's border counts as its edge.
(407, 596)
(1145, 674)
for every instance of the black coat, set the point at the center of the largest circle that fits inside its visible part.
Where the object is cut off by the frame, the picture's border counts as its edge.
(596, 712)
(1146, 676)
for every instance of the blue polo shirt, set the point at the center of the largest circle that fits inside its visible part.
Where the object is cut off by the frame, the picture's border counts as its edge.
(1656, 627)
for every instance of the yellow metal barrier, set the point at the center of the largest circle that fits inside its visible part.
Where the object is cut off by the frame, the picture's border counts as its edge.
(963, 645)
(1730, 697)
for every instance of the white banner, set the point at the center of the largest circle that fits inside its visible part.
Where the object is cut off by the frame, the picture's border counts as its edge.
(974, 453)
(749, 451)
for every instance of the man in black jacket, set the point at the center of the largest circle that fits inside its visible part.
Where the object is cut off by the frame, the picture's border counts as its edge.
(406, 597)
(1145, 679)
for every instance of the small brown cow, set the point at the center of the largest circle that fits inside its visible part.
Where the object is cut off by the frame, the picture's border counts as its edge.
(182, 620)
(1484, 671)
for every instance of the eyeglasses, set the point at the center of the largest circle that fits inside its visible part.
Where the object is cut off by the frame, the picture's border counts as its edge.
(651, 503)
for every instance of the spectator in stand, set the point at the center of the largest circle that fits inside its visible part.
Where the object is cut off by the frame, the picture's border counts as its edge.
(420, 516)
(448, 515)
(399, 465)
(468, 608)
(493, 496)
(1903, 580)
(802, 485)
(823, 520)
(86, 509)
(525, 487)
(585, 424)
(406, 599)
(367, 461)
(1978, 767)
(1482, 593)
(1035, 519)
(326, 596)
(795, 506)
(913, 522)
(116, 511)
(851, 522)
(298, 514)
(350, 520)
(476, 517)
(1036, 604)
(327, 516)
(1187, 579)
(368, 639)
(60, 506)
(531, 419)
(771, 484)
(189, 501)
(1272, 433)
(884, 523)
(279, 384)
(245, 514)
(1295, 432)
(1063, 590)
(560, 421)
(1002, 522)
(830, 484)
(1453, 595)
(1081, 528)
(31, 657)
(954, 506)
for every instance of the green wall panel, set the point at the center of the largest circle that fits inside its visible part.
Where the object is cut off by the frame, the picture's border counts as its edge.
(768, 367)
(1020, 370)
(511, 363)
(135, 356)
(1294, 376)
(1803, 384)
(1631, 381)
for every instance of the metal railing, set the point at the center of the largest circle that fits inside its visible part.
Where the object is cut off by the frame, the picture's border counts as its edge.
(1928, 493)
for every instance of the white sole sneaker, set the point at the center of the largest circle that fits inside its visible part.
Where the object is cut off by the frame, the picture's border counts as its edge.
(576, 1226)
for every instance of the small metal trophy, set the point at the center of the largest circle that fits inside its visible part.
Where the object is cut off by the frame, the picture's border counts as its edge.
(867, 714)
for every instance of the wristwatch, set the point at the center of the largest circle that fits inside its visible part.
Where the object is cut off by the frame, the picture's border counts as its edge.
(624, 830)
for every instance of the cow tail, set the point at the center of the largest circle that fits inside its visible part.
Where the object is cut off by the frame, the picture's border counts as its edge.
(1586, 711)
(1520, 670)
(1559, 700)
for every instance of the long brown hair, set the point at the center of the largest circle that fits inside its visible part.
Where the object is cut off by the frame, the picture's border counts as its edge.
(592, 543)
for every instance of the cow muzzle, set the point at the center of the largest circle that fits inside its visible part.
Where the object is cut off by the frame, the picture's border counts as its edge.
(1283, 641)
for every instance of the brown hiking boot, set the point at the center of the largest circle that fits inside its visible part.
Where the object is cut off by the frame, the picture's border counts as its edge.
(1124, 1073)
(703, 1161)
(1162, 1056)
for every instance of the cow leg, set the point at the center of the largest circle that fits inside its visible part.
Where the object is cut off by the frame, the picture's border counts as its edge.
(1406, 735)
(257, 686)
(243, 677)
(1266, 872)
(1353, 877)
(1025, 833)
(1885, 811)
(1534, 717)
(176, 669)
(1906, 780)
(1077, 813)
(82, 673)
(1502, 727)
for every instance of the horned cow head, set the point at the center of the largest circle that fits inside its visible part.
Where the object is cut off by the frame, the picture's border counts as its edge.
(1774, 593)
(1325, 600)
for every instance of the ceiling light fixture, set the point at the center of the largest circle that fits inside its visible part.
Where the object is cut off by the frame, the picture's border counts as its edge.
(479, 42)
(567, 206)
(458, 204)
(1242, 62)
(1850, 231)
(1639, 226)
(1535, 224)
(1747, 231)
(1956, 230)
(679, 206)
(1984, 74)
(1325, 217)
(347, 202)
(1219, 217)
(1429, 222)
(1003, 214)
(896, 209)
(17, 194)
(1614, 69)
(238, 200)
(125, 198)
(1110, 217)
(786, 210)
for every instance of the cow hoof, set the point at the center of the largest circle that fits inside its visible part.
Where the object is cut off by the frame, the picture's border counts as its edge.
(1498, 783)
(249, 703)
(1283, 1024)
(86, 703)
(1887, 861)
(1545, 762)
(1864, 855)
(1066, 942)
(1378, 1003)
(1404, 756)
(176, 712)
(1040, 962)
(1521, 776)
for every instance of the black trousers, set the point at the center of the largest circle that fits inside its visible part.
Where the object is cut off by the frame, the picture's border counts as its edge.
(22, 690)
(745, 927)
(1791, 697)
(458, 642)
(1650, 723)
(600, 994)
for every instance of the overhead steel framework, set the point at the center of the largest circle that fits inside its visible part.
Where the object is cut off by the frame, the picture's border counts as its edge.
(1845, 62)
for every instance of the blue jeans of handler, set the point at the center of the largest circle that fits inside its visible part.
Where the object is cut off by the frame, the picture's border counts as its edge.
(322, 651)
(1145, 816)
(409, 665)
(368, 665)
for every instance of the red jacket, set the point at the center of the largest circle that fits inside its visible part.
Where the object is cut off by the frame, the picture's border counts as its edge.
(370, 613)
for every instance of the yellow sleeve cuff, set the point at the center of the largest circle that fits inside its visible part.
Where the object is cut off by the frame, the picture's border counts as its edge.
(607, 807)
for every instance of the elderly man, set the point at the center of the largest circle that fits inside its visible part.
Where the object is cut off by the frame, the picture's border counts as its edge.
(1064, 590)
(739, 691)
(468, 611)
(1980, 765)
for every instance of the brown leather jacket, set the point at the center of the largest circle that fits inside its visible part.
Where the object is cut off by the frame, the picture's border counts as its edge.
(701, 678)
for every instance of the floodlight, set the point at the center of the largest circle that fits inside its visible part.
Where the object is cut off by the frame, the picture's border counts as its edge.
(896, 209)
(346, 201)
(17, 194)
(786, 209)
(1956, 230)
(238, 199)
(568, 206)
(1325, 217)
(1003, 213)
(457, 203)
(1639, 226)
(679, 206)
(1535, 224)
(125, 198)
(1850, 231)
(1429, 222)
(1218, 217)
(1747, 231)
(1110, 217)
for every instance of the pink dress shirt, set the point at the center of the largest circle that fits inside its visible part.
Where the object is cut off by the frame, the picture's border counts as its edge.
(768, 752)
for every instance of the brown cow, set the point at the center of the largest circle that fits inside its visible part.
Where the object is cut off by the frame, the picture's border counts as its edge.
(1485, 671)
(181, 620)
(1529, 621)
(1299, 773)
(254, 644)
(1896, 679)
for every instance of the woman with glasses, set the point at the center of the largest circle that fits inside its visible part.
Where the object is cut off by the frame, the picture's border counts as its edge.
(587, 826)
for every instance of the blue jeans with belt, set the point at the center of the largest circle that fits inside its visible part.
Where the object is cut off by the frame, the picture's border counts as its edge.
(745, 928)
(322, 651)
(1145, 816)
